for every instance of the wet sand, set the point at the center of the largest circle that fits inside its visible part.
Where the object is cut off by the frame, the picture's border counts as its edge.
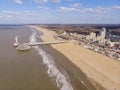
(77, 78)
(98, 68)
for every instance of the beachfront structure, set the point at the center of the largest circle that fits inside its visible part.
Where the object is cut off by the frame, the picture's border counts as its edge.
(103, 34)
(101, 38)
(16, 41)
(91, 37)
(27, 46)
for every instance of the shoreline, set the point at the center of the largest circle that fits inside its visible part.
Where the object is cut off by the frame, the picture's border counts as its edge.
(98, 68)
(73, 74)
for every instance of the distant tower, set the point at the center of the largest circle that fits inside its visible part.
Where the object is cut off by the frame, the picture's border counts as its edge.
(103, 33)
(102, 36)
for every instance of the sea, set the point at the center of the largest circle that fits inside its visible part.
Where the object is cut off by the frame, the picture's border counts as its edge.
(41, 68)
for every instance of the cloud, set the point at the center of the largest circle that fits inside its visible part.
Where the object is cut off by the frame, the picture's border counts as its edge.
(11, 12)
(66, 9)
(116, 7)
(70, 0)
(32, 14)
(17, 1)
(40, 1)
(1, 16)
(42, 7)
(15, 14)
(76, 5)
(45, 1)
(56, 1)
(93, 11)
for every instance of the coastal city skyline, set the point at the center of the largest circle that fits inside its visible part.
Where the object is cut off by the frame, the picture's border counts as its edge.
(60, 11)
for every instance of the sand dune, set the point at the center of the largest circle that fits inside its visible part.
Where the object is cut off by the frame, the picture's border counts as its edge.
(97, 67)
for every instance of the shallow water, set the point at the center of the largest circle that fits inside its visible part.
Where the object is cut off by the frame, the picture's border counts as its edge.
(41, 68)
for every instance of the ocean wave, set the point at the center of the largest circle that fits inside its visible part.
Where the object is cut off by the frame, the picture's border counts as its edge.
(48, 61)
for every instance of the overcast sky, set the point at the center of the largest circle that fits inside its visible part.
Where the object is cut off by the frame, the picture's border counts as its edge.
(60, 11)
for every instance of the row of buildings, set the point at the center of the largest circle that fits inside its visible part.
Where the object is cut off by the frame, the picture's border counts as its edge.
(102, 38)
(101, 42)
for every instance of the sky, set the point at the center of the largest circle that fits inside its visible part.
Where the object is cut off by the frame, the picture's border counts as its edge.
(59, 11)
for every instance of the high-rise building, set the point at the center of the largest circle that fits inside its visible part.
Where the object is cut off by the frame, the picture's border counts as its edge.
(103, 34)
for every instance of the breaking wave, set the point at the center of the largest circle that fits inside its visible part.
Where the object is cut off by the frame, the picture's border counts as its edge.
(52, 70)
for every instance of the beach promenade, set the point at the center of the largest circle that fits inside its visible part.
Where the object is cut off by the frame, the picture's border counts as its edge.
(98, 68)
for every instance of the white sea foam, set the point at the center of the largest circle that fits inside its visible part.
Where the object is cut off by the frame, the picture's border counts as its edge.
(52, 71)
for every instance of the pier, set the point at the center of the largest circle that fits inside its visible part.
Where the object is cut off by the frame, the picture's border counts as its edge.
(27, 46)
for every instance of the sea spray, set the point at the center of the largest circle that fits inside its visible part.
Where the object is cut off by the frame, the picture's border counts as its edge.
(52, 71)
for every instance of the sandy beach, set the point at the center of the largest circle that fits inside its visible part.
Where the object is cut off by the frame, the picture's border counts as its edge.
(98, 68)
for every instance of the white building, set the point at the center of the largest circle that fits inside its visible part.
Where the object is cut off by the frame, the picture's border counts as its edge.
(91, 37)
(102, 37)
